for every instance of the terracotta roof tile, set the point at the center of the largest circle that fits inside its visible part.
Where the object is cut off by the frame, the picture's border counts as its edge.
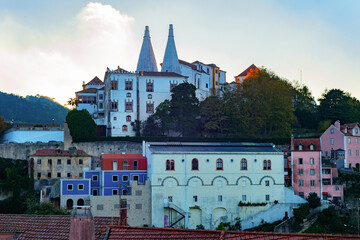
(59, 152)
(245, 73)
(305, 142)
(117, 232)
(47, 226)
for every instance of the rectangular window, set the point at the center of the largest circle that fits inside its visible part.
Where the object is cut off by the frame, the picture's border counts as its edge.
(128, 85)
(59, 174)
(115, 178)
(100, 207)
(135, 165)
(312, 172)
(128, 106)
(95, 178)
(125, 165)
(220, 198)
(138, 192)
(95, 192)
(69, 162)
(337, 188)
(332, 141)
(49, 175)
(267, 183)
(59, 162)
(300, 161)
(312, 161)
(195, 198)
(301, 183)
(138, 206)
(69, 187)
(267, 197)
(357, 152)
(39, 161)
(81, 175)
(114, 85)
(125, 178)
(301, 172)
(349, 152)
(357, 141)
(81, 162)
(172, 86)
(124, 192)
(115, 192)
(243, 198)
(170, 198)
(81, 187)
(207, 85)
(136, 178)
(101, 96)
(150, 107)
(312, 183)
(349, 140)
(128, 95)
(332, 131)
(114, 106)
(149, 86)
(69, 175)
(49, 161)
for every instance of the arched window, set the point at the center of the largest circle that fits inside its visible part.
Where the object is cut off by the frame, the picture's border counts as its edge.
(267, 165)
(115, 165)
(124, 128)
(170, 165)
(195, 164)
(69, 204)
(80, 202)
(128, 118)
(125, 165)
(219, 164)
(243, 164)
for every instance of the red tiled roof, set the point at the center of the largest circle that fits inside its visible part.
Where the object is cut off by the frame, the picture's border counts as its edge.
(350, 125)
(305, 142)
(122, 156)
(245, 73)
(117, 232)
(59, 152)
(95, 81)
(47, 226)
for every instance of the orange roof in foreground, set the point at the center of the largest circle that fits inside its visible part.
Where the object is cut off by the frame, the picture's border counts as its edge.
(122, 156)
(117, 232)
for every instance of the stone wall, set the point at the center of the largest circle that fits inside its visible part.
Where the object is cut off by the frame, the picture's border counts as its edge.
(24, 150)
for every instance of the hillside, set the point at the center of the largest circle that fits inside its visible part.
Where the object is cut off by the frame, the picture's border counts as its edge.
(31, 109)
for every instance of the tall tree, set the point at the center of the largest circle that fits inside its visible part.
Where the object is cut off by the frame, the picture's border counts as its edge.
(213, 116)
(81, 124)
(269, 102)
(163, 116)
(335, 104)
(185, 109)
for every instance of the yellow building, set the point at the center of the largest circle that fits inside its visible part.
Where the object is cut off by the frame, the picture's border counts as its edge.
(57, 163)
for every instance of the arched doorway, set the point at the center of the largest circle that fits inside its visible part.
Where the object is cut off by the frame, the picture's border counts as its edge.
(69, 204)
(80, 202)
(220, 215)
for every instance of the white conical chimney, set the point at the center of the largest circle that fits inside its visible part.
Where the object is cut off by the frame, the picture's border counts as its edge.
(147, 61)
(171, 60)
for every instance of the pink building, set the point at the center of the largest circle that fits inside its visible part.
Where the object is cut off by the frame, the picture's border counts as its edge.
(342, 137)
(312, 174)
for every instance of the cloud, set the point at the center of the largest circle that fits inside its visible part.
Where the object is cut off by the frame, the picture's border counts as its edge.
(55, 63)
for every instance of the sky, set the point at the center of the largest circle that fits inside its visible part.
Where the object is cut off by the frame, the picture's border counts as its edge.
(51, 47)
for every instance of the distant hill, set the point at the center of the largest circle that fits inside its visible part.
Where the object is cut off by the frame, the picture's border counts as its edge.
(31, 109)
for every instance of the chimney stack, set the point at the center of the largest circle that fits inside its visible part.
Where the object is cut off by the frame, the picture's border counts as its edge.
(82, 224)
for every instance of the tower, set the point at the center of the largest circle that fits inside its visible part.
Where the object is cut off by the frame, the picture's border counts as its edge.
(147, 61)
(171, 61)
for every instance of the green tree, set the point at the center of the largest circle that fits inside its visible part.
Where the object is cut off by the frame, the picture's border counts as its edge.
(151, 127)
(269, 101)
(136, 127)
(213, 116)
(44, 209)
(335, 104)
(163, 116)
(81, 125)
(185, 109)
(313, 200)
(3, 125)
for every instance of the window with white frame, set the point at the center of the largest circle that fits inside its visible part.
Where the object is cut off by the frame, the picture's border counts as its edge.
(81, 187)
(220, 198)
(95, 178)
(301, 172)
(332, 141)
(125, 178)
(69, 187)
(332, 131)
(312, 161)
(301, 183)
(312, 183)
(243, 198)
(267, 197)
(349, 140)
(115, 178)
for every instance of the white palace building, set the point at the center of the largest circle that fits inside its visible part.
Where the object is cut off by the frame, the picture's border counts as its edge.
(125, 96)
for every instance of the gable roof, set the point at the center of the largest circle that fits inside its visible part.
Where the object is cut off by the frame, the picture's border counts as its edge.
(47, 226)
(121, 232)
(188, 64)
(305, 142)
(95, 81)
(59, 152)
(245, 73)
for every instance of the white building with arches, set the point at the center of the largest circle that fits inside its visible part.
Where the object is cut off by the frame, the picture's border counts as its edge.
(203, 183)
